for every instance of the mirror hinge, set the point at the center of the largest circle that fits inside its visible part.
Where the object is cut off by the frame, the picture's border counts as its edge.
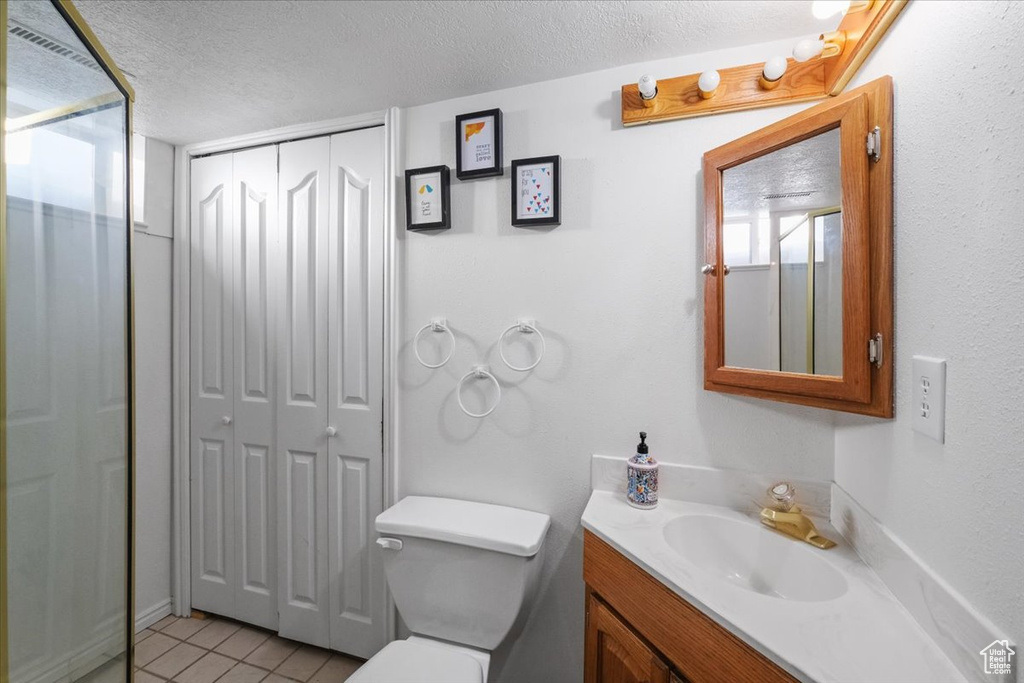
(875, 350)
(875, 144)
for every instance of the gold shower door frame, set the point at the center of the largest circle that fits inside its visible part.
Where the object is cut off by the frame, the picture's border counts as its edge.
(77, 24)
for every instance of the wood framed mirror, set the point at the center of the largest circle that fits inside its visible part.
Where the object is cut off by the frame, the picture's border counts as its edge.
(798, 258)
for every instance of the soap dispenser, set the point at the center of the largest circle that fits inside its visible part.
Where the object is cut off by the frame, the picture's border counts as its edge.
(642, 469)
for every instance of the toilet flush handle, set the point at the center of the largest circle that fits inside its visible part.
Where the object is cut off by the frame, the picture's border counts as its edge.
(389, 543)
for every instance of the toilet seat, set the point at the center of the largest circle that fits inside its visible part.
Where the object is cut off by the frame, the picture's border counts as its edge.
(405, 661)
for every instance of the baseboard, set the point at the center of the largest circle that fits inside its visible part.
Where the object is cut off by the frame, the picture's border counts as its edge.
(151, 615)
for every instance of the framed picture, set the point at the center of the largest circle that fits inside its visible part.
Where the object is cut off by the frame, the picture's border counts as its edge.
(478, 144)
(536, 191)
(427, 198)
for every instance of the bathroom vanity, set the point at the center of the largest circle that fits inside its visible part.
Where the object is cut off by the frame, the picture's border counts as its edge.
(638, 630)
(700, 592)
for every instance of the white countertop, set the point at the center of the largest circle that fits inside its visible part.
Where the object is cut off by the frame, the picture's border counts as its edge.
(863, 635)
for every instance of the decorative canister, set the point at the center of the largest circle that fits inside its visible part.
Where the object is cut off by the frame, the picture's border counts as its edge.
(642, 470)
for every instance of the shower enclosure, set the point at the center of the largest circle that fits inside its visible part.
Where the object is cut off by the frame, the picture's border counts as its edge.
(66, 489)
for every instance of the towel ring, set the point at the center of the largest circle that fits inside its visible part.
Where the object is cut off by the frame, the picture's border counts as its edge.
(437, 325)
(480, 372)
(526, 327)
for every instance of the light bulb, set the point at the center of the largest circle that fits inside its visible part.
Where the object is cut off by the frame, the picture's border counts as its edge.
(774, 68)
(648, 87)
(823, 9)
(808, 48)
(707, 83)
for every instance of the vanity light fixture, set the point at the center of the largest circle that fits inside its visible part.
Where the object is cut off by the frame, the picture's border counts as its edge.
(825, 45)
(648, 88)
(821, 66)
(708, 83)
(772, 73)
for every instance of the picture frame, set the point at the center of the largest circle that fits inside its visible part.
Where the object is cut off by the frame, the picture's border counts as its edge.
(428, 198)
(478, 145)
(537, 197)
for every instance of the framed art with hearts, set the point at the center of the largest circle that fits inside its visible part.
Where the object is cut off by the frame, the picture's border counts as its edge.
(537, 191)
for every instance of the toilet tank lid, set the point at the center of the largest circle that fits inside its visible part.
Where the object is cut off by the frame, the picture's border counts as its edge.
(478, 525)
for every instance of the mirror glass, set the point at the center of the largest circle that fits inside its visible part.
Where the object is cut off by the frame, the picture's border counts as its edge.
(782, 240)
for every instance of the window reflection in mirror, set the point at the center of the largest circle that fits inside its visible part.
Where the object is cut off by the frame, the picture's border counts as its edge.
(782, 242)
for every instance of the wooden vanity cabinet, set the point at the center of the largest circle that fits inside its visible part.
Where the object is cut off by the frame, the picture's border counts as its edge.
(615, 653)
(639, 631)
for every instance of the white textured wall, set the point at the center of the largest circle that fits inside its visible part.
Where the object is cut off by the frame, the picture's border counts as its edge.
(960, 296)
(153, 385)
(617, 292)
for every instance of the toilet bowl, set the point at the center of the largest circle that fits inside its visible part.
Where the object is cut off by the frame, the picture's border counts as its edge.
(462, 575)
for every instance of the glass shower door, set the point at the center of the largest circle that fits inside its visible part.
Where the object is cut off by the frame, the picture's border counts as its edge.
(66, 456)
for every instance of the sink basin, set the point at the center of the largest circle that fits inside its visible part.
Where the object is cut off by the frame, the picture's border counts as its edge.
(755, 558)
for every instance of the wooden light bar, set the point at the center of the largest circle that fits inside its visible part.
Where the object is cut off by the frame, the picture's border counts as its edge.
(680, 98)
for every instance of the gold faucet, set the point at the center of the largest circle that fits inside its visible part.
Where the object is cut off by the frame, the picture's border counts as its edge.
(785, 516)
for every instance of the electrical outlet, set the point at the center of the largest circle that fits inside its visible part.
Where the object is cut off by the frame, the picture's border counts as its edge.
(929, 397)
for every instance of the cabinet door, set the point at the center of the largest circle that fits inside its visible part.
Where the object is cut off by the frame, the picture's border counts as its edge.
(614, 654)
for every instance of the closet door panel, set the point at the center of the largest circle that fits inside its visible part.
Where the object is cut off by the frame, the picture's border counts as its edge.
(355, 386)
(301, 451)
(254, 243)
(212, 386)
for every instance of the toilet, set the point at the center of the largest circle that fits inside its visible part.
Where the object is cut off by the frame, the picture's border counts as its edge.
(462, 574)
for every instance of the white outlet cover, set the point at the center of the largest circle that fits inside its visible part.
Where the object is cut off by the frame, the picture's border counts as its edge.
(928, 406)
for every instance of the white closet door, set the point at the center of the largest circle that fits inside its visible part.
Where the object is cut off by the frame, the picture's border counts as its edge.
(355, 363)
(302, 392)
(212, 386)
(254, 243)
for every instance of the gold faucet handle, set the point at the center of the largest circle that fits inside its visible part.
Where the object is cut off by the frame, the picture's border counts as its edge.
(783, 496)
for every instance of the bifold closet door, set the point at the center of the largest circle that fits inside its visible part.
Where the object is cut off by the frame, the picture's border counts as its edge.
(212, 385)
(355, 451)
(302, 466)
(254, 242)
(287, 385)
(234, 218)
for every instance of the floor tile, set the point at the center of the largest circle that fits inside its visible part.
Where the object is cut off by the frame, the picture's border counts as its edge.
(164, 623)
(274, 678)
(243, 673)
(175, 660)
(271, 653)
(214, 634)
(303, 663)
(146, 677)
(183, 629)
(142, 635)
(206, 670)
(337, 669)
(244, 641)
(152, 647)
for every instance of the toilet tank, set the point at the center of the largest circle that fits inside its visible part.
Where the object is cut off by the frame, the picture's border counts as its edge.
(465, 571)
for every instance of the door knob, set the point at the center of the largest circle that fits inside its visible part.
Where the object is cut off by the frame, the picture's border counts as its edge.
(708, 269)
(226, 420)
(331, 431)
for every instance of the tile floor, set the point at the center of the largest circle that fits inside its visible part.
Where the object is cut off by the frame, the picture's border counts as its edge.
(208, 650)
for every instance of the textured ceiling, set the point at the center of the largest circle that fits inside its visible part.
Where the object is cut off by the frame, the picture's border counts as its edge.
(811, 165)
(204, 70)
